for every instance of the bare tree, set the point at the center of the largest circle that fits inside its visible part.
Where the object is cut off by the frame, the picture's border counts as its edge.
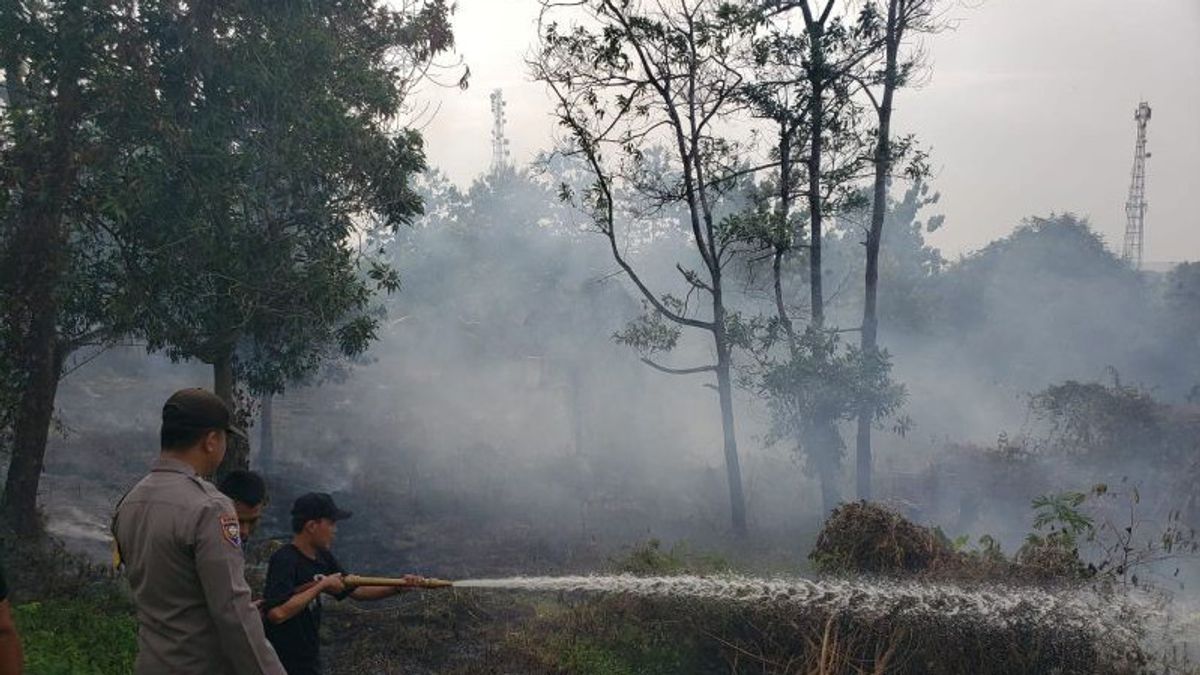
(904, 17)
(629, 76)
(833, 47)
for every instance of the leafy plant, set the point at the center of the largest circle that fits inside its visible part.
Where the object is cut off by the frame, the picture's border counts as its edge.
(650, 558)
(1060, 517)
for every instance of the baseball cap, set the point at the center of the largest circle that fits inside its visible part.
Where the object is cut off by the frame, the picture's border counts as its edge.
(197, 408)
(317, 505)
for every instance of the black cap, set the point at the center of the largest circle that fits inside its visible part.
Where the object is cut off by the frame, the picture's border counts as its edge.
(317, 505)
(197, 409)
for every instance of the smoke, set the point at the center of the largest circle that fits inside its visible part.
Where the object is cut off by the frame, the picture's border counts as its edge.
(496, 397)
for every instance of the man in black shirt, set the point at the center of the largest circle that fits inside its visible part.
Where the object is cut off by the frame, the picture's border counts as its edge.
(294, 615)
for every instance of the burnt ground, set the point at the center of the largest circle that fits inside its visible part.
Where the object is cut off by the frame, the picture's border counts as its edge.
(398, 529)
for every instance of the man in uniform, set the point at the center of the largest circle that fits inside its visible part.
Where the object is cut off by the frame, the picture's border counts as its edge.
(179, 540)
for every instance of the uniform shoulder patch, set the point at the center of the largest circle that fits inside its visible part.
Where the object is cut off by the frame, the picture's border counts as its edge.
(231, 530)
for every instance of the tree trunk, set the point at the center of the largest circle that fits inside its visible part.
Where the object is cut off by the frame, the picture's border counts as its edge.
(816, 215)
(33, 267)
(827, 442)
(266, 438)
(870, 324)
(824, 446)
(830, 494)
(237, 453)
(733, 468)
(786, 241)
(815, 225)
(31, 429)
(575, 407)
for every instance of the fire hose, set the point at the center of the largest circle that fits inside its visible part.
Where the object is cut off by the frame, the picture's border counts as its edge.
(351, 581)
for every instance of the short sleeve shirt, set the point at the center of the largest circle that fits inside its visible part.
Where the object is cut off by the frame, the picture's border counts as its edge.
(296, 640)
(180, 544)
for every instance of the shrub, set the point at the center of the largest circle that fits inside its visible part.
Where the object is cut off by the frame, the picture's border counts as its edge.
(651, 559)
(866, 538)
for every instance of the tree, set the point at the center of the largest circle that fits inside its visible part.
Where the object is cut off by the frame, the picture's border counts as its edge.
(832, 48)
(803, 84)
(1182, 300)
(154, 175)
(817, 384)
(57, 278)
(249, 217)
(632, 76)
(903, 18)
(993, 304)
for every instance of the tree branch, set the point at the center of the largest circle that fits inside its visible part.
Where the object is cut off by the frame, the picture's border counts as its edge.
(679, 371)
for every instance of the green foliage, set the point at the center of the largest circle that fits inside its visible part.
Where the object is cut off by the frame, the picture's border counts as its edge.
(1060, 517)
(588, 658)
(48, 245)
(629, 652)
(822, 381)
(76, 637)
(199, 175)
(650, 559)
(242, 223)
(989, 548)
(621, 636)
(1052, 550)
(650, 332)
(1109, 421)
(1182, 297)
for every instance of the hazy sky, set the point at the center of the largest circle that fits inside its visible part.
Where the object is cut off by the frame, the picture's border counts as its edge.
(1029, 109)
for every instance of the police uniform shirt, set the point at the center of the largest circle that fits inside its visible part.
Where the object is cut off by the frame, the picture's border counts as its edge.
(179, 540)
(296, 640)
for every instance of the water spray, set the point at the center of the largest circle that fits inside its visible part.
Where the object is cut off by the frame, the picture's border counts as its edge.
(1115, 619)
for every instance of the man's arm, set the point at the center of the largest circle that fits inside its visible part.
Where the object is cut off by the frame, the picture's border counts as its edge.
(364, 592)
(376, 592)
(11, 657)
(294, 605)
(220, 566)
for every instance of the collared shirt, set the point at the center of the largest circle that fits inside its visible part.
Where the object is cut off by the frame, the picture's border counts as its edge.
(179, 541)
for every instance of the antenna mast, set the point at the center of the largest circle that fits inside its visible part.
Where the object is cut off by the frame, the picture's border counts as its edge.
(1135, 206)
(500, 156)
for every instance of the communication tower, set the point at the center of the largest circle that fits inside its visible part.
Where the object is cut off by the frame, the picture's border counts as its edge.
(1135, 206)
(500, 155)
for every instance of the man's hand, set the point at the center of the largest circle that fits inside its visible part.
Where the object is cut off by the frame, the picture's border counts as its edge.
(333, 584)
(413, 581)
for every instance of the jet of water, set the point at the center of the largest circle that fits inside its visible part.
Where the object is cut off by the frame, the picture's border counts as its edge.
(1117, 620)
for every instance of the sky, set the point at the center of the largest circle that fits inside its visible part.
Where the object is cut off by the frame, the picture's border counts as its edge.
(1027, 110)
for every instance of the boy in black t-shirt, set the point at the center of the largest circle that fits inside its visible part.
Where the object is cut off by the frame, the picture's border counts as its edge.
(293, 616)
